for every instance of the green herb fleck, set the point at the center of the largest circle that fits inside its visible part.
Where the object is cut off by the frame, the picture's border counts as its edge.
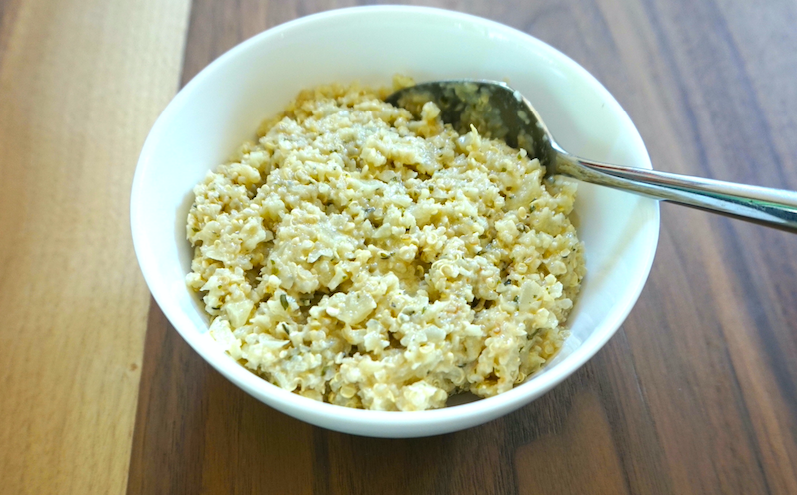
(284, 301)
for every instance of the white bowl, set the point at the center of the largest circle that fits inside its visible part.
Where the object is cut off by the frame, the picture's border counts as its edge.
(223, 105)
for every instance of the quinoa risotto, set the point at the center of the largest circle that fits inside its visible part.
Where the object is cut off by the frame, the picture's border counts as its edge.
(361, 256)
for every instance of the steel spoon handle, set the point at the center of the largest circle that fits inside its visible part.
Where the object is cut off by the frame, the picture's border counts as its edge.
(762, 205)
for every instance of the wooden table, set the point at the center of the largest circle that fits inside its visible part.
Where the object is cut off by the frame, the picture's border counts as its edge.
(697, 392)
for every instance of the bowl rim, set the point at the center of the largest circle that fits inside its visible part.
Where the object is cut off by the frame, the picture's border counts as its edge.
(304, 407)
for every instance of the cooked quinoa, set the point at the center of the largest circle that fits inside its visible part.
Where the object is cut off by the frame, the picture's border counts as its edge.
(357, 255)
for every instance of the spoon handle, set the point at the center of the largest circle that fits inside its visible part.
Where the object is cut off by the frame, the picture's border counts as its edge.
(762, 205)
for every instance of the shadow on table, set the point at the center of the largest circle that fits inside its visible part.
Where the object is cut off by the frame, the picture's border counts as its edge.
(196, 432)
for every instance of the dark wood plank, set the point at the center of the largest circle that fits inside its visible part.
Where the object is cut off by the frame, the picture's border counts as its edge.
(697, 393)
(197, 433)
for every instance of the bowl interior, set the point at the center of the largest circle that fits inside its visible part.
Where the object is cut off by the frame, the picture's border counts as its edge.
(223, 105)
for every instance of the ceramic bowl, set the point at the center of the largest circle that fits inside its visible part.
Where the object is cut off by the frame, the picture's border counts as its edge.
(223, 105)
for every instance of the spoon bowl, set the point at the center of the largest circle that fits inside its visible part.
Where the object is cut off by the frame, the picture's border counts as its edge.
(493, 108)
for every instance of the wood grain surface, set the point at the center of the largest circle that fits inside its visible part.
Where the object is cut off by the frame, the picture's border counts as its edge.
(81, 82)
(697, 392)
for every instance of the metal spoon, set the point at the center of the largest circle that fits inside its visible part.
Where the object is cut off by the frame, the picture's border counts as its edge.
(498, 111)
